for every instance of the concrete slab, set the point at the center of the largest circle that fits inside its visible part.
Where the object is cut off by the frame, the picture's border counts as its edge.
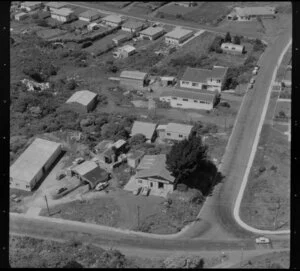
(33, 211)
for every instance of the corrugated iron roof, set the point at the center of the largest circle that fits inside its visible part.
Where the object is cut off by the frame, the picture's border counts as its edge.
(145, 128)
(133, 24)
(135, 154)
(178, 33)
(85, 167)
(151, 31)
(179, 128)
(133, 75)
(56, 5)
(83, 97)
(113, 19)
(31, 161)
(201, 75)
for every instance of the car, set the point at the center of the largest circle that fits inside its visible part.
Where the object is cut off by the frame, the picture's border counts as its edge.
(78, 161)
(256, 67)
(252, 81)
(60, 175)
(262, 240)
(101, 186)
(145, 191)
(137, 191)
(60, 190)
(254, 72)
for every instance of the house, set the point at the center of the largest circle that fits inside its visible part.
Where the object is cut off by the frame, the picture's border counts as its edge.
(188, 99)
(125, 51)
(89, 16)
(186, 4)
(113, 20)
(63, 15)
(132, 26)
(178, 36)
(152, 33)
(90, 173)
(134, 158)
(133, 80)
(53, 6)
(152, 173)
(175, 131)
(167, 81)
(31, 5)
(121, 38)
(250, 13)
(232, 48)
(21, 16)
(145, 128)
(33, 163)
(83, 100)
(211, 80)
(287, 80)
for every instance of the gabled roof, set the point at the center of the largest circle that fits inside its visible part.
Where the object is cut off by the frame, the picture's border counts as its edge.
(179, 128)
(178, 33)
(152, 166)
(133, 75)
(85, 167)
(133, 24)
(89, 14)
(188, 94)
(151, 31)
(201, 75)
(145, 128)
(83, 97)
(113, 19)
(31, 4)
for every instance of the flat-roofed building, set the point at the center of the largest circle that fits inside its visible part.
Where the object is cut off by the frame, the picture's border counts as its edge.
(21, 16)
(83, 101)
(188, 99)
(63, 15)
(113, 20)
(231, 48)
(33, 163)
(89, 16)
(31, 5)
(178, 36)
(53, 6)
(250, 13)
(204, 79)
(133, 80)
(145, 128)
(132, 26)
(152, 33)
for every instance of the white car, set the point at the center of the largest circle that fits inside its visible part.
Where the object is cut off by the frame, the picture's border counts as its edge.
(262, 240)
(78, 161)
(101, 186)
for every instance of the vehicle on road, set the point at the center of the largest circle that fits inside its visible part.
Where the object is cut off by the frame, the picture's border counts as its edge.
(254, 72)
(101, 186)
(137, 191)
(60, 175)
(145, 191)
(262, 240)
(250, 86)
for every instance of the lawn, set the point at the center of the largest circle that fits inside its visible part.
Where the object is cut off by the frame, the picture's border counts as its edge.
(283, 106)
(170, 11)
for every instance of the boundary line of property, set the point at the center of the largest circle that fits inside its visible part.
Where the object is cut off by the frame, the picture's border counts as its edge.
(236, 211)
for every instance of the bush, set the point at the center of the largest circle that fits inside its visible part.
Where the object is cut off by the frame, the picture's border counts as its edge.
(258, 45)
(71, 84)
(86, 44)
(182, 187)
(262, 169)
(224, 104)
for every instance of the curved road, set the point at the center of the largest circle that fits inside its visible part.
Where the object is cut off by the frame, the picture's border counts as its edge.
(217, 229)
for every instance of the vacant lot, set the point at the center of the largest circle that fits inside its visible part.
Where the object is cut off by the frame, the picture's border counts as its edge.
(50, 33)
(252, 27)
(283, 111)
(173, 10)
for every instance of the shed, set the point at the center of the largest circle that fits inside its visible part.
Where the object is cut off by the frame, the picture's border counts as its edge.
(125, 51)
(21, 16)
(63, 14)
(113, 20)
(145, 128)
(83, 100)
(52, 6)
(121, 38)
(133, 80)
(132, 26)
(134, 158)
(177, 131)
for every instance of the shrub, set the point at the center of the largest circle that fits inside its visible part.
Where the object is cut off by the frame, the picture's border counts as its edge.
(262, 169)
(86, 44)
(224, 104)
(182, 187)
(258, 45)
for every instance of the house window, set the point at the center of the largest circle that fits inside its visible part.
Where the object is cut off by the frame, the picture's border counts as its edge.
(185, 82)
(161, 185)
(27, 186)
(151, 184)
(202, 102)
(204, 86)
(233, 48)
(169, 134)
(186, 100)
(180, 136)
(226, 47)
(218, 81)
(179, 104)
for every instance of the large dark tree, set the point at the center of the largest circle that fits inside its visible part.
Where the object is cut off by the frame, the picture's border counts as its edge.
(186, 157)
(236, 40)
(227, 37)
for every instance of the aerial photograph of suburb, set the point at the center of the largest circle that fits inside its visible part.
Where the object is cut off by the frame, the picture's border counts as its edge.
(150, 134)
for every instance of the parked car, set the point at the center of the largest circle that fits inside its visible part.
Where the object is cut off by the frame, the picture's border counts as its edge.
(262, 240)
(256, 67)
(60, 190)
(137, 191)
(78, 161)
(252, 81)
(101, 186)
(60, 175)
(254, 72)
(145, 191)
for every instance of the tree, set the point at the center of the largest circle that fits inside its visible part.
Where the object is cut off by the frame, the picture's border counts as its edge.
(227, 37)
(73, 264)
(137, 140)
(185, 157)
(236, 40)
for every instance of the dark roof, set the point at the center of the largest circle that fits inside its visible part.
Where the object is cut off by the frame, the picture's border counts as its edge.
(121, 37)
(195, 95)
(201, 75)
(96, 176)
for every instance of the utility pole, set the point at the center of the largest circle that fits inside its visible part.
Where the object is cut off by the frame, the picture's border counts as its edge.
(138, 215)
(47, 205)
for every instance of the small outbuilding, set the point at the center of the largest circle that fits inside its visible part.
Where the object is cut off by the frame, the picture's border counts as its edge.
(177, 131)
(134, 158)
(152, 33)
(121, 38)
(63, 15)
(124, 51)
(83, 100)
(89, 16)
(53, 6)
(178, 36)
(133, 80)
(21, 16)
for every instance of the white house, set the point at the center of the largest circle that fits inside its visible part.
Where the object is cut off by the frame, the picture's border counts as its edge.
(63, 14)
(174, 131)
(152, 33)
(31, 5)
(178, 36)
(132, 26)
(89, 16)
(113, 20)
(211, 80)
(152, 173)
(188, 99)
(232, 48)
(250, 13)
(125, 51)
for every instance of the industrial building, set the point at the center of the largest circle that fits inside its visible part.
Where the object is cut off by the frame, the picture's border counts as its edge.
(33, 163)
(174, 131)
(152, 33)
(83, 101)
(113, 20)
(89, 16)
(145, 128)
(63, 15)
(125, 51)
(188, 98)
(178, 36)
(134, 80)
(203, 79)
(250, 13)
(31, 5)
(132, 26)
(232, 48)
